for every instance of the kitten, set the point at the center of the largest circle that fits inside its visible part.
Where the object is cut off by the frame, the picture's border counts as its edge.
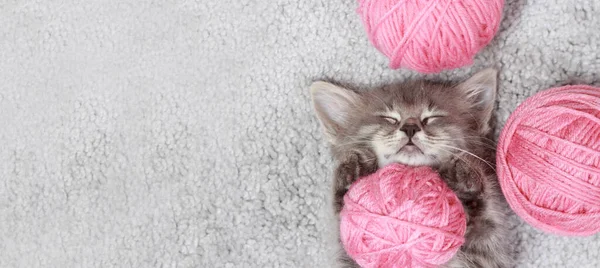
(441, 125)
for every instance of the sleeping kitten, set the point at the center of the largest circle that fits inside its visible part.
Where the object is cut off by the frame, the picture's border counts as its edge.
(440, 125)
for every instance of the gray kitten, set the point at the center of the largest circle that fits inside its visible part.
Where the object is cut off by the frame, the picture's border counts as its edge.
(445, 126)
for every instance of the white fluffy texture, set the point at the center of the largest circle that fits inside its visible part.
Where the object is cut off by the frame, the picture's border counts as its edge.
(180, 133)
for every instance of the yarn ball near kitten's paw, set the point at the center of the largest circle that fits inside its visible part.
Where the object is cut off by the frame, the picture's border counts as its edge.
(548, 160)
(429, 36)
(402, 216)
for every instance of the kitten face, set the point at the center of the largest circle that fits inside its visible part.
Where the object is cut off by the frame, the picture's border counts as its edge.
(415, 123)
(413, 134)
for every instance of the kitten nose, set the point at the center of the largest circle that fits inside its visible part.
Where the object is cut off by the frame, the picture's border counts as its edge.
(410, 129)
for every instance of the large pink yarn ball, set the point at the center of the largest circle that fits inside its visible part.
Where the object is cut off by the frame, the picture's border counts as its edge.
(402, 217)
(430, 35)
(548, 160)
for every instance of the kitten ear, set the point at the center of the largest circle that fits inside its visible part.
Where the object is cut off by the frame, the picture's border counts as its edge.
(333, 105)
(480, 91)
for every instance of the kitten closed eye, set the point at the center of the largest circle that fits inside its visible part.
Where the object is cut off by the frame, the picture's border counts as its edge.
(430, 119)
(390, 120)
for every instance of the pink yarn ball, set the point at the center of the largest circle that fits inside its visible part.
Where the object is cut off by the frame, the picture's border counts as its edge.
(549, 160)
(402, 217)
(430, 35)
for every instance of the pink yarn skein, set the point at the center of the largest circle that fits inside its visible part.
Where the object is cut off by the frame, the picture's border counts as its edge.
(548, 160)
(402, 217)
(430, 35)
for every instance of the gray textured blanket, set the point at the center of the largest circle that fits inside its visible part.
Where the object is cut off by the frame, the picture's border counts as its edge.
(180, 133)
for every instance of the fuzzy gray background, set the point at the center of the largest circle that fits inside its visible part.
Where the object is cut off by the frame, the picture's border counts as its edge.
(180, 133)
